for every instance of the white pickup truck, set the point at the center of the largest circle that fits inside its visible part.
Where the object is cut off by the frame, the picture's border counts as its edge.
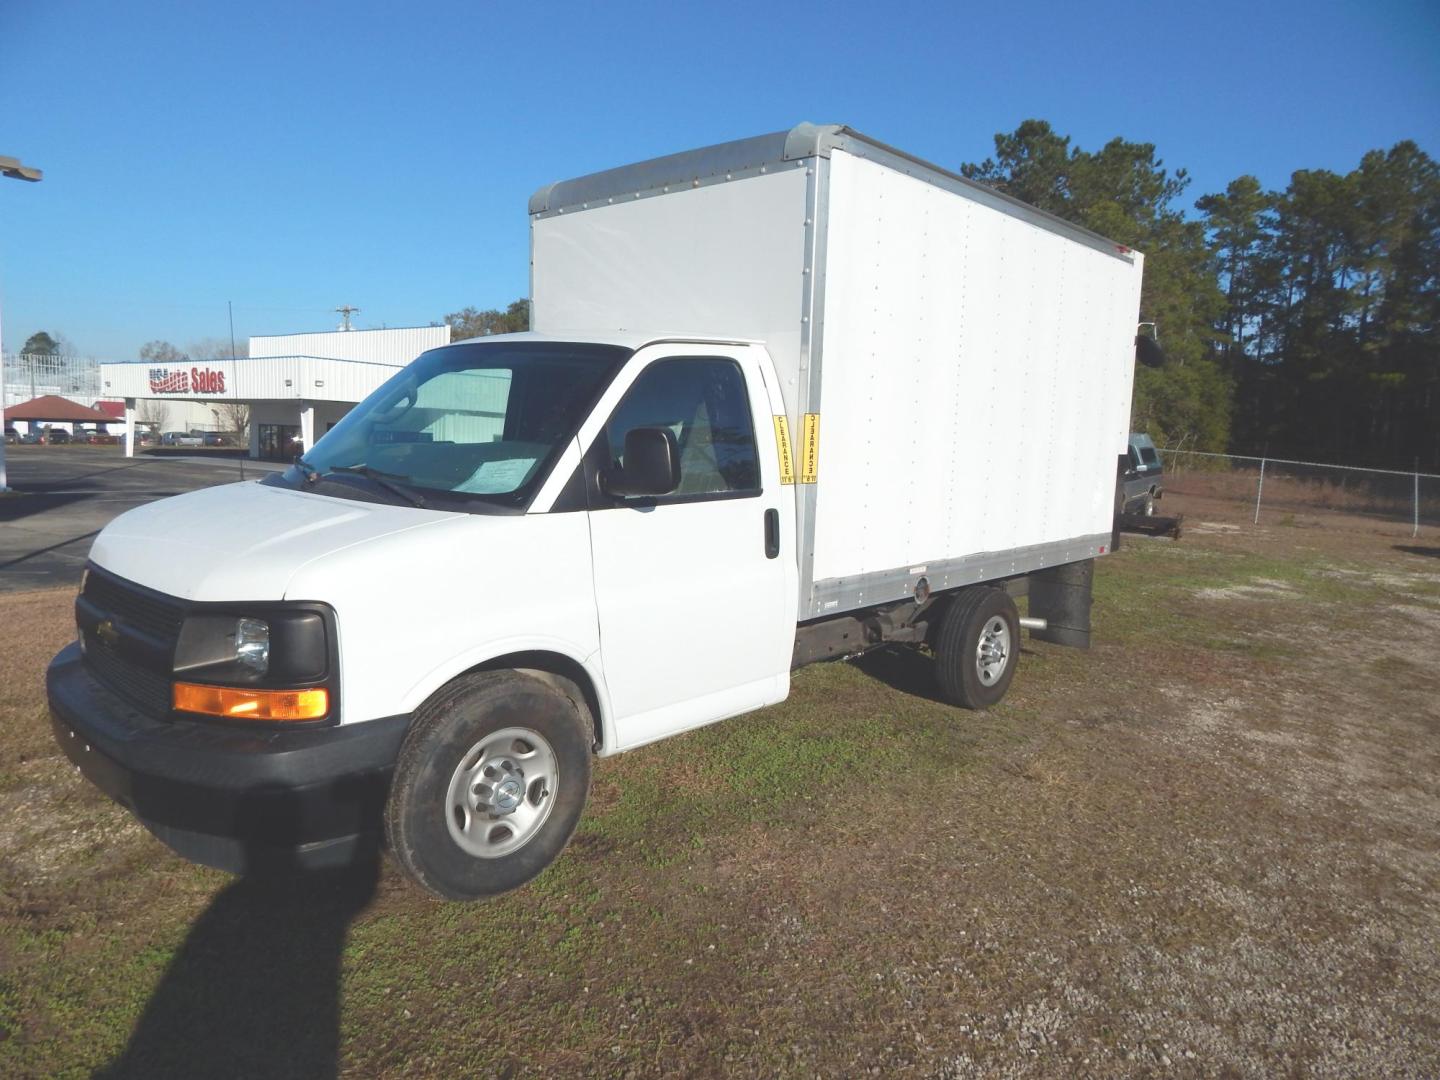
(787, 398)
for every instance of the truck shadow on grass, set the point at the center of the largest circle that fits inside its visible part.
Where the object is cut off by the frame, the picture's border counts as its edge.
(904, 668)
(901, 667)
(254, 989)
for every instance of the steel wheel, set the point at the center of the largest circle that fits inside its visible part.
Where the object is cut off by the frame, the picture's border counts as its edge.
(501, 792)
(992, 651)
(977, 647)
(477, 804)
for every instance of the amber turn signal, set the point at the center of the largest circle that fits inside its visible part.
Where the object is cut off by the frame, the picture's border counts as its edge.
(251, 704)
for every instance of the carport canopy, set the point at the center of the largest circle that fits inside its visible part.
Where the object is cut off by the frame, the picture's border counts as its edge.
(53, 409)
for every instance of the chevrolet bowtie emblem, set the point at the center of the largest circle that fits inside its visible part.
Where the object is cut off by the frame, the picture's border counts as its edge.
(108, 635)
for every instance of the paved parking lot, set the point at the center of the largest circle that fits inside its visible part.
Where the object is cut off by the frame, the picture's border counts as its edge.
(66, 494)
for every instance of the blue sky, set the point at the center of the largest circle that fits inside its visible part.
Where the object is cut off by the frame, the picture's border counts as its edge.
(291, 157)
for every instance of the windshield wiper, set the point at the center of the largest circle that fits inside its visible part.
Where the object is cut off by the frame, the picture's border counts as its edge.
(414, 498)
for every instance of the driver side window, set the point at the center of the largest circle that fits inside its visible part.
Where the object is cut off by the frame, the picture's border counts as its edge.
(704, 403)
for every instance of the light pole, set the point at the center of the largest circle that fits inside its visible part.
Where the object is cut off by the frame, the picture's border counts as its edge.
(10, 167)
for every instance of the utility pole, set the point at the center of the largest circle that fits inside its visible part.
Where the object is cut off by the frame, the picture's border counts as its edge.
(346, 311)
(230, 307)
(11, 168)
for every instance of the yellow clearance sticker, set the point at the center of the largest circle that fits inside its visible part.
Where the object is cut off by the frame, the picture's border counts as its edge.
(782, 448)
(810, 450)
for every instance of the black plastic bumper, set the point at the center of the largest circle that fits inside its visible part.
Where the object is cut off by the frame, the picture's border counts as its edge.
(236, 799)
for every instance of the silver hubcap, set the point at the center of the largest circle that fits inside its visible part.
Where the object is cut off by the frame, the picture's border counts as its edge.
(501, 792)
(993, 651)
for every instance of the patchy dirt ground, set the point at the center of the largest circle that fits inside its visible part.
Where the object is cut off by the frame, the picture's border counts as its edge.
(1210, 846)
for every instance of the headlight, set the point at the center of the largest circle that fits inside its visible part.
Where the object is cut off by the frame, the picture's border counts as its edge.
(267, 662)
(274, 647)
(252, 644)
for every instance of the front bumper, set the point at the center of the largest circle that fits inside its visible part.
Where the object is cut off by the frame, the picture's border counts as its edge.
(235, 799)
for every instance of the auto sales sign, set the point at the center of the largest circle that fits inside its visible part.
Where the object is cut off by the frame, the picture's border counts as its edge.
(180, 381)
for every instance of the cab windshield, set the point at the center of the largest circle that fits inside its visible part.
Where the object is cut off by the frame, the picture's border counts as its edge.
(481, 421)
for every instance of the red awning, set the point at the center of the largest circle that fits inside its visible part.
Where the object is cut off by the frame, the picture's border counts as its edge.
(55, 410)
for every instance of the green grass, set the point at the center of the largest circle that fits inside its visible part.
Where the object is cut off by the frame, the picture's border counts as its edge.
(642, 911)
(1148, 590)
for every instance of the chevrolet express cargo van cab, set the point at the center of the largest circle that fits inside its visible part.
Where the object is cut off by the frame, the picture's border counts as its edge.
(786, 398)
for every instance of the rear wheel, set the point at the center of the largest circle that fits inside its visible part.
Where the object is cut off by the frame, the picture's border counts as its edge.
(977, 647)
(489, 785)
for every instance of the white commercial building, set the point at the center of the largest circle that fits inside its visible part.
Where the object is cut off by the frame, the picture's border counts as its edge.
(295, 386)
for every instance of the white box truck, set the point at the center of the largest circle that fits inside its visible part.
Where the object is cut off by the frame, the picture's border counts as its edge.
(786, 398)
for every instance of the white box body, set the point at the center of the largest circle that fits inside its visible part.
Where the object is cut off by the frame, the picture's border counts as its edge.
(970, 358)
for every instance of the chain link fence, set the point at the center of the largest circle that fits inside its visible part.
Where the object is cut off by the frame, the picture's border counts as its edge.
(1275, 490)
(29, 375)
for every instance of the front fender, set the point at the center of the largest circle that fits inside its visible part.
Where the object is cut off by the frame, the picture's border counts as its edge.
(491, 651)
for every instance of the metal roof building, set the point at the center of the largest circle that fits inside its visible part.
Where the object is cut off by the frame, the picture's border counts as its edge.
(296, 386)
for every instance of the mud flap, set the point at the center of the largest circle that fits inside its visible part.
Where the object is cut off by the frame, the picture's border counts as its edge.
(1061, 596)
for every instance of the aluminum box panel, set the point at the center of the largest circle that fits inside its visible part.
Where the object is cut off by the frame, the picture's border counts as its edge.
(725, 260)
(975, 378)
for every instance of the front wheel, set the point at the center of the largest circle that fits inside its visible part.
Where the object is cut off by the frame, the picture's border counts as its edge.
(489, 785)
(977, 647)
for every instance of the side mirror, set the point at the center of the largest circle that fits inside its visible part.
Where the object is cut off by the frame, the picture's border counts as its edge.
(1148, 351)
(652, 464)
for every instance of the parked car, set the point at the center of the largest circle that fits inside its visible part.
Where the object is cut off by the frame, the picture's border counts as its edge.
(181, 438)
(31, 438)
(213, 438)
(101, 438)
(1143, 478)
(11, 436)
(58, 437)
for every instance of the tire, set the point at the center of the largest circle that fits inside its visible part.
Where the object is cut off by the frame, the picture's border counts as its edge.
(978, 618)
(1148, 506)
(489, 784)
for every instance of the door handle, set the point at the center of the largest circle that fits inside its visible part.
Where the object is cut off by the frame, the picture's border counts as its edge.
(772, 533)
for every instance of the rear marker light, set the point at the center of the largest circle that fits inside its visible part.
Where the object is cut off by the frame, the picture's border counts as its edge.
(251, 704)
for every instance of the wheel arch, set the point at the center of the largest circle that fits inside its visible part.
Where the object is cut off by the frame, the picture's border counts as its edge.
(557, 667)
(565, 675)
